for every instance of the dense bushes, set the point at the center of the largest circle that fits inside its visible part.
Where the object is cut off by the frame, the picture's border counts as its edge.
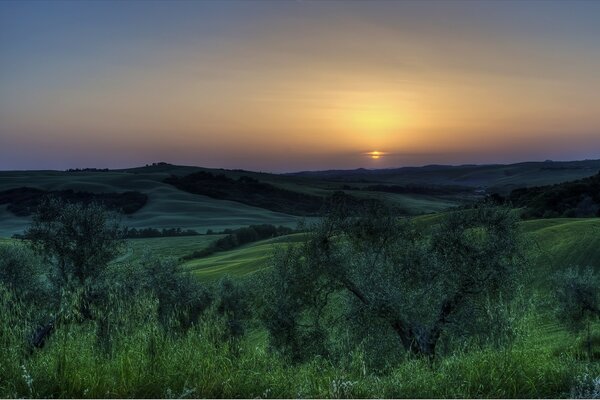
(240, 236)
(579, 198)
(134, 233)
(23, 201)
(152, 330)
(437, 190)
(146, 361)
(251, 191)
(578, 302)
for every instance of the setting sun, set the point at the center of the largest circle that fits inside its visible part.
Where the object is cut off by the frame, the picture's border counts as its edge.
(375, 154)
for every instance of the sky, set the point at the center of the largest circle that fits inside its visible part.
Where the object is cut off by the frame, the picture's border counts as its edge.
(300, 85)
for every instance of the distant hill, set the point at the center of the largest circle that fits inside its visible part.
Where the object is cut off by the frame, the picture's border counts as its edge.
(495, 177)
(410, 190)
(167, 207)
(580, 198)
(251, 191)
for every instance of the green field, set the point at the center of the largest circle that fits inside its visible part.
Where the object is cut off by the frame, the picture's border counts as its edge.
(167, 207)
(561, 242)
(556, 244)
(165, 246)
(239, 262)
(544, 362)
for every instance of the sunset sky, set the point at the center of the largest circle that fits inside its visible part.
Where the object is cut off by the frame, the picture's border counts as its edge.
(283, 86)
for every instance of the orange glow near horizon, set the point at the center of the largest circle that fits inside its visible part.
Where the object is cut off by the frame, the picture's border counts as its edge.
(297, 85)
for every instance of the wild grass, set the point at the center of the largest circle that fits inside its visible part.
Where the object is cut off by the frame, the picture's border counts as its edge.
(141, 358)
(145, 360)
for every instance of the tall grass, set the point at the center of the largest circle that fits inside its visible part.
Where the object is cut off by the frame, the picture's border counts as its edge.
(145, 360)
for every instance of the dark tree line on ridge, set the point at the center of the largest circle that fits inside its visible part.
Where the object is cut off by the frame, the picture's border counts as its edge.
(580, 198)
(239, 237)
(23, 201)
(253, 192)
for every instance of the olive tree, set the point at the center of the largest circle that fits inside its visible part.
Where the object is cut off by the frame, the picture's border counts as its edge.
(415, 282)
(77, 242)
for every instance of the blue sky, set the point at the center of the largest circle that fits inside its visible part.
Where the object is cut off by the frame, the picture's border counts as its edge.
(282, 86)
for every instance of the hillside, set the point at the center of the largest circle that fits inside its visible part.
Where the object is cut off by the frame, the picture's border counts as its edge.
(167, 207)
(555, 244)
(410, 191)
(495, 177)
(580, 198)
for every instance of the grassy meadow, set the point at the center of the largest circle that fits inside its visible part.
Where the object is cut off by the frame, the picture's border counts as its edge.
(136, 346)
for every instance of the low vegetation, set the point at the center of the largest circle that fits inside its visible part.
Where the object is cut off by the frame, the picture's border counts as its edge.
(362, 306)
(239, 237)
(24, 200)
(253, 192)
(580, 198)
(433, 190)
(133, 233)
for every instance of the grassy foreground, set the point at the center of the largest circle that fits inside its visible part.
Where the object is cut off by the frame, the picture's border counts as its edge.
(144, 361)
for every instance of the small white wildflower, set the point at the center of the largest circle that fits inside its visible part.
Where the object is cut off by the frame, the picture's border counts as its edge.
(28, 379)
(586, 387)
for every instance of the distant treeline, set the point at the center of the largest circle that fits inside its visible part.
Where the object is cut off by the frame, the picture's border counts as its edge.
(241, 236)
(133, 233)
(24, 200)
(251, 191)
(88, 170)
(580, 198)
(414, 189)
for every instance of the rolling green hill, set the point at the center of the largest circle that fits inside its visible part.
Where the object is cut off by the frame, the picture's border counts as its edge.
(169, 207)
(580, 198)
(241, 261)
(495, 177)
(555, 243)
(165, 246)
(562, 242)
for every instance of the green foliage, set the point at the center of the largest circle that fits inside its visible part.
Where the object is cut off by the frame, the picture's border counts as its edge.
(181, 298)
(578, 301)
(155, 331)
(574, 199)
(239, 237)
(232, 303)
(79, 240)
(24, 201)
(22, 272)
(147, 362)
(418, 287)
(578, 296)
(253, 192)
(133, 233)
(292, 306)
(249, 191)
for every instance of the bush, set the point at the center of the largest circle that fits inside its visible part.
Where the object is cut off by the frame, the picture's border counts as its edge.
(578, 301)
(22, 272)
